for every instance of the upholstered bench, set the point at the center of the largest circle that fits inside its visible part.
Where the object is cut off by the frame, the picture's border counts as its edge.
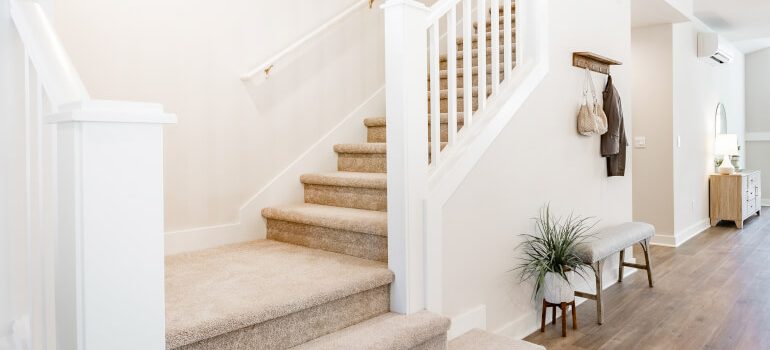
(609, 241)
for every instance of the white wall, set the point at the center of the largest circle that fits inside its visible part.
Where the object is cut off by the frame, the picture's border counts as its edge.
(758, 116)
(652, 80)
(538, 158)
(698, 87)
(232, 138)
(13, 303)
(678, 108)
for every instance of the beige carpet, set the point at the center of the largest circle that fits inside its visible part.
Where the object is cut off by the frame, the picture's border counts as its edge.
(478, 339)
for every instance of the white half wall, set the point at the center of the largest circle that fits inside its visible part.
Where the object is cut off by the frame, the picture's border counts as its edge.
(14, 303)
(538, 158)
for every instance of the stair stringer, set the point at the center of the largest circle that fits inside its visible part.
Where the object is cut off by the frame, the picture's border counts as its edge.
(459, 159)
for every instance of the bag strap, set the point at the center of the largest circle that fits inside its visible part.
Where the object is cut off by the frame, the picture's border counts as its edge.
(593, 88)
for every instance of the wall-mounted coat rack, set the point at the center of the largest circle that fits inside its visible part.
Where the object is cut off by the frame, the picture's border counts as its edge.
(594, 62)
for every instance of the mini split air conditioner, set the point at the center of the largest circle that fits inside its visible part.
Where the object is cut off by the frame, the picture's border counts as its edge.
(711, 46)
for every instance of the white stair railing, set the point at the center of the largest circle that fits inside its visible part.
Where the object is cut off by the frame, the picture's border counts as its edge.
(94, 202)
(423, 172)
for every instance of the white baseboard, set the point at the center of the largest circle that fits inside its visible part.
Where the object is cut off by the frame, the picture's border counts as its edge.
(523, 325)
(284, 188)
(474, 318)
(766, 202)
(664, 239)
(679, 238)
(692, 231)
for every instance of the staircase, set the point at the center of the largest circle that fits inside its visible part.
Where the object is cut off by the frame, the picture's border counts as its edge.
(320, 279)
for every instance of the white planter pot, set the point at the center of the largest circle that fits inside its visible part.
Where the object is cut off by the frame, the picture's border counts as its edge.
(557, 290)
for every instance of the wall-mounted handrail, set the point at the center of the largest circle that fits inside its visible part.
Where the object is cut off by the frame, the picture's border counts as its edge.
(268, 65)
(57, 73)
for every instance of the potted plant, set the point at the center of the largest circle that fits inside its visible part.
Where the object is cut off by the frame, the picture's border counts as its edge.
(550, 256)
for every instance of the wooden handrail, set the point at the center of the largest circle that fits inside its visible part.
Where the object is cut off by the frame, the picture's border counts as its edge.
(268, 65)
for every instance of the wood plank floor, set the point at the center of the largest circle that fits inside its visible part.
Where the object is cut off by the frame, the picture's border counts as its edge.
(712, 292)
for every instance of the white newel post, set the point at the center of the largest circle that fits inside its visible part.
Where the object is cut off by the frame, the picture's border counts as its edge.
(407, 155)
(110, 262)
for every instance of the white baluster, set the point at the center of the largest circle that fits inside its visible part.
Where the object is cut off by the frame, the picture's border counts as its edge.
(435, 94)
(467, 62)
(495, 43)
(451, 34)
(508, 56)
(481, 45)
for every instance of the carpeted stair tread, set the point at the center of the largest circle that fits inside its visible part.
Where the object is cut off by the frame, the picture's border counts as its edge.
(382, 121)
(347, 179)
(501, 21)
(444, 93)
(364, 148)
(339, 218)
(477, 339)
(501, 35)
(475, 54)
(390, 331)
(219, 290)
(475, 71)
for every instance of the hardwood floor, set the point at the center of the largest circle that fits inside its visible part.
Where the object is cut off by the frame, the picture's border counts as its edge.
(712, 292)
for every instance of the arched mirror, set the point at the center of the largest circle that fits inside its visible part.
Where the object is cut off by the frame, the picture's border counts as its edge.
(721, 120)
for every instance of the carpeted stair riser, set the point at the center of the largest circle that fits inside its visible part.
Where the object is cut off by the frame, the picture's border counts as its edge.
(358, 244)
(377, 133)
(347, 197)
(444, 94)
(501, 23)
(435, 343)
(303, 326)
(366, 163)
(460, 105)
(370, 158)
(444, 82)
(474, 61)
(422, 330)
(475, 37)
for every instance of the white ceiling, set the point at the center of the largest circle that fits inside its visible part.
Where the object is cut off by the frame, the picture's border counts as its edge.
(651, 12)
(746, 23)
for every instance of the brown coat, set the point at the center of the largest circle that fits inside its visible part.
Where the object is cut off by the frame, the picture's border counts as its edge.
(614, 142)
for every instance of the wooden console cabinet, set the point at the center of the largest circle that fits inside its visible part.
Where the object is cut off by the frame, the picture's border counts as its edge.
(735, 197)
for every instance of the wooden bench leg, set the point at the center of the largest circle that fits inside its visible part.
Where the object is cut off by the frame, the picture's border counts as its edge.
(620, 269)
(542, 319)
(646, 247)
(598, 272)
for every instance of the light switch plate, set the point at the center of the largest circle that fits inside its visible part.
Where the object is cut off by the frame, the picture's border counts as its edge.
(640, 142)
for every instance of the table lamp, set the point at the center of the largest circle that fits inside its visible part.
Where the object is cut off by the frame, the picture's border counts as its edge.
(726, 145)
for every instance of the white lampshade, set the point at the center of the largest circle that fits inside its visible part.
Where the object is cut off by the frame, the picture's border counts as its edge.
(726, 144)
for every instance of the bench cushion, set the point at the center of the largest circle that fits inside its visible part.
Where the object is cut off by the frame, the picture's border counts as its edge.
(612, 240)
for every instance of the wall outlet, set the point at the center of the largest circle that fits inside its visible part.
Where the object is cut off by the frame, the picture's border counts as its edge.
(640, 142)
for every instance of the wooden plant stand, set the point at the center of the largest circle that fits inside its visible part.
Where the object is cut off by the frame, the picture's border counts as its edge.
(563, 307)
